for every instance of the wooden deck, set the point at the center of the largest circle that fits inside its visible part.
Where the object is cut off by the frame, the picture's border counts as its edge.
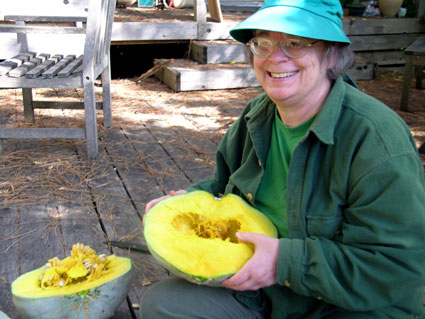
(52, 196)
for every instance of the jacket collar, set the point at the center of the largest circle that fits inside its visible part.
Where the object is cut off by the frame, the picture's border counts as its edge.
(326, 120)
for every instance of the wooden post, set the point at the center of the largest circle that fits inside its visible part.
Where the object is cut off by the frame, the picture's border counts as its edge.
(22, 40)
(420, 6)
(28, 105)
(408, 70)
(200, 11)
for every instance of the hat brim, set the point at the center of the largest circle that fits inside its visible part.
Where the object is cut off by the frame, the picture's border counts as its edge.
(290, 20)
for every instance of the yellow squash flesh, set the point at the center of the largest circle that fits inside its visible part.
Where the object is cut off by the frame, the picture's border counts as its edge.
(193, 235)
(63, 289)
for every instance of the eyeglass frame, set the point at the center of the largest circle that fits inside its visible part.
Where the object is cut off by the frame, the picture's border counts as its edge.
(274, 43)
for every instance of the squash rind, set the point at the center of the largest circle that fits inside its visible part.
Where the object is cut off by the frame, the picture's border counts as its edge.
(212, 282)
(99, 302)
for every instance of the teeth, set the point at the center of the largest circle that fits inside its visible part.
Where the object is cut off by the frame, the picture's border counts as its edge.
(282, 75)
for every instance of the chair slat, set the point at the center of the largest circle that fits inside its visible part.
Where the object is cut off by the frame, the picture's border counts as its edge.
(14, 62)
(48, 62)
(71, 67)
(24, 68)
(54, 70)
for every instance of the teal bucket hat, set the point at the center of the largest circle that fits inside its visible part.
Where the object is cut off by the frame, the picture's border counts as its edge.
(315, 19)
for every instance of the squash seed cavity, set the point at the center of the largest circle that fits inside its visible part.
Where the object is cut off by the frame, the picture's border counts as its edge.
(204, 227)
(82, 265)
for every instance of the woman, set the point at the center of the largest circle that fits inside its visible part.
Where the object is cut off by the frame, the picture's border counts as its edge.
(335, 170)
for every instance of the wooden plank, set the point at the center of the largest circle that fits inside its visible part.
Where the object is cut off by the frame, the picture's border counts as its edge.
(166, 158)
(14, 62)
(200, 10)
(181, 76)
(170, 77)
(24, 68)
(41, 29)
(420, 5)
(77, 9)
(417, 47)
(154, 173)
(9, 265)
(215, 10)
(384, 42)
(189, 153)
(139, 31)
(39, 236)
(34, 73)
(54, 70)
(63, 105)
(206, 52)
(64, 132)
(382, 57)
(22, 82)
(381, 26)
(71, 67)
(215, 31)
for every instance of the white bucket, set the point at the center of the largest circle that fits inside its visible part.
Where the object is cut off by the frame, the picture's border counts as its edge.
(181, 4)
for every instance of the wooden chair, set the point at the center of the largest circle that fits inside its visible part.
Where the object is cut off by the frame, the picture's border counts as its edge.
(27, 70)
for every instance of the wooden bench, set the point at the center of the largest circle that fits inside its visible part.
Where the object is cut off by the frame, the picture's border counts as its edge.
(89, 20)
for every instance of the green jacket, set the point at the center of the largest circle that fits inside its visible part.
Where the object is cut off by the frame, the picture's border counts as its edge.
(355, 207)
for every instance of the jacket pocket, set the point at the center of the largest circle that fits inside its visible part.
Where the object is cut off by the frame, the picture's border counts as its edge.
(323, 226)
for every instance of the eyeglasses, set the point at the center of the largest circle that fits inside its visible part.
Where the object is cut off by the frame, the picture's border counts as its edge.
(293, 48)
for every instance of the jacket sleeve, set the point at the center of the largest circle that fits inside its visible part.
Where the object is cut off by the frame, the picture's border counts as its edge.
(378, 257)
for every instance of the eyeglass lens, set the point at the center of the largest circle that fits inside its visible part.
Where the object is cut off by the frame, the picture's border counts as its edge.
(291, 47)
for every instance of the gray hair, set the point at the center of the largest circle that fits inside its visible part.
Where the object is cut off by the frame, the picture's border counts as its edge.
(340, 57)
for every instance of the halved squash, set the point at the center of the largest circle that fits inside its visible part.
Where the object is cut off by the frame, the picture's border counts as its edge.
(82, 285)
(193, 235)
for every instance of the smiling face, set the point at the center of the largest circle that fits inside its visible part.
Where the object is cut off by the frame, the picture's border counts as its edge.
(293, 83)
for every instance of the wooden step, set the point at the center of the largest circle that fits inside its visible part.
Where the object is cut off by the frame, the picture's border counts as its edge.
(186, 75)
(189, 75)
(218, 52)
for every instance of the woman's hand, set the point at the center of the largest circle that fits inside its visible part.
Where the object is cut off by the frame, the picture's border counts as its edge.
(155, 201)
(260, 270)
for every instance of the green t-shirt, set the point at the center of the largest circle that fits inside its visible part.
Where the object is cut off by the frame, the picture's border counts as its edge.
(271, 195)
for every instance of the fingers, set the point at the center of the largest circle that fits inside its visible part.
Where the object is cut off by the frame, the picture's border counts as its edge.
(245, 279)
(259, 271)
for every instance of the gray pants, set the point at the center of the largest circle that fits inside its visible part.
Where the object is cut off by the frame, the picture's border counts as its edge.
(177, 298)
